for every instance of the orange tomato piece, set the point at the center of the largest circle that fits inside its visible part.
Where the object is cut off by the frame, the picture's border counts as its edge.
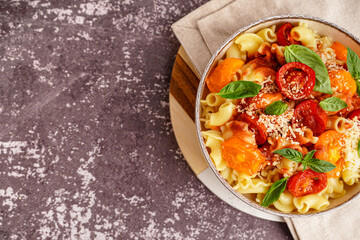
(242, 156)
(222, 74)
(263, 100)
(342, 81)
(335, 173)
(340, 51)
(329, 148)
(241, 130)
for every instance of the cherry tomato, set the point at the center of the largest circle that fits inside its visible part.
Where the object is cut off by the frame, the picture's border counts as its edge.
(265, 99)
(353, 114)
(309, 114)
(283, 35)
(241, 130)
(329, 148)
(223, 73)
(340, 51)
(242, 156)
(342, 81)
(295, 80)
(254, 126)
(307, 182)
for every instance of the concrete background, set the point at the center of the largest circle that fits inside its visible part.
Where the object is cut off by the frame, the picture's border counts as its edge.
(86, 144)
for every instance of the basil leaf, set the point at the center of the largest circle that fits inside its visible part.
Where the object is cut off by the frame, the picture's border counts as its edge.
(298, 53)
(309, 156)
(333, 104)
(320, 166)
(304, 166)
(274, 192)
(358, 87)
(359, 148)
(276, 108)
(240, 89)
(291, 154)
(353, 63)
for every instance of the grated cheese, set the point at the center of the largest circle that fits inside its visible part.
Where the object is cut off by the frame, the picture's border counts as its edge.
(277, 126)
(352, 136)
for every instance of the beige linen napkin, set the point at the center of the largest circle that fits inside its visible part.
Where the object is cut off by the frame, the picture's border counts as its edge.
(203, 31)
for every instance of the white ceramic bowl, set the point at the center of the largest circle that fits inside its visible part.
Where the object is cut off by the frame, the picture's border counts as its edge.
(322, 27)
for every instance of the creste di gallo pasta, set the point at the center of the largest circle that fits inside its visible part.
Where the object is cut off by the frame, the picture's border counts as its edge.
(281, 120)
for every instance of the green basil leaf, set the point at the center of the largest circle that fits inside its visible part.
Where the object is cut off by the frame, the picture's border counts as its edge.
(276, 108)
(274, 192)
(333, 104)
(291, 154)
(240, 89)
(298, 53)
(304, 166)
(353, 64)
(359, 148)
(309, 156)
(358, 87)
(320, 166)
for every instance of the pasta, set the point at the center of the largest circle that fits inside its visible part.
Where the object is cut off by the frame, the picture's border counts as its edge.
(337, 123)
(268, 34)
(334, 189)
(214, 100)
(249, 43)
(224, 114)
(350, 173)
(280, 133)
(234, 52)
(305, 203)
(213, 141)
(285, 203)
(287, 166)
(304, 35)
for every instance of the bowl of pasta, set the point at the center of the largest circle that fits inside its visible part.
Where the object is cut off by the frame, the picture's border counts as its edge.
(278, 115)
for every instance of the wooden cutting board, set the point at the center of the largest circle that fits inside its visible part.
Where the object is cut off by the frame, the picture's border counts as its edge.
(183, 87)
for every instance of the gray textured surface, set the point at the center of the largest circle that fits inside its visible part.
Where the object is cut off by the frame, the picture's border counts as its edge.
(86, 145)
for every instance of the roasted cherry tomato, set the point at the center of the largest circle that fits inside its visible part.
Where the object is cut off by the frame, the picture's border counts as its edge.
(283, 35)
(223, 73)
(265, 99)
(241, 130)
(295, 80)
(254, 126)
(353, 114)
(242, 156)
(329, 148)
(309, 114)
(307, 182)
(340, 51)
(342, 81)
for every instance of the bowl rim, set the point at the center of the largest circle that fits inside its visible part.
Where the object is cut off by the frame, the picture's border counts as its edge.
(198, 107)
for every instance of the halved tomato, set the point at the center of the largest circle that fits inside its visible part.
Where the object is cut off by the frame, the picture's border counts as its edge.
(254, 126)
(329, 148)
(309, 114)
(307, 182)
(265, 99)
(341, 80)
(242, 156)
(283, 35)
(241, 130)
(340, 51)
(295, 80)
(223, 73)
